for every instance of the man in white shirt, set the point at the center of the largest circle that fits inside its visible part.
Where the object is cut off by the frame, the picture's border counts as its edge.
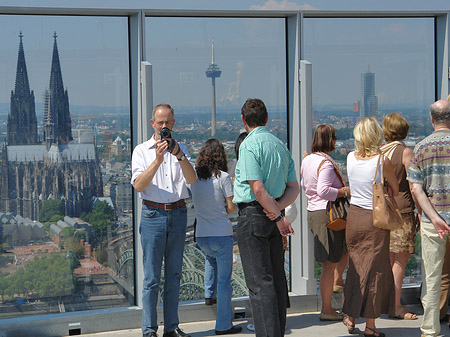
(160, 173)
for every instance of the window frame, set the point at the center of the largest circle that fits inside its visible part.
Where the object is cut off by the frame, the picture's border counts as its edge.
(298, 90)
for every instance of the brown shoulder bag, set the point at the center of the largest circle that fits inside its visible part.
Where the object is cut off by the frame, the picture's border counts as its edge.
(386, 214)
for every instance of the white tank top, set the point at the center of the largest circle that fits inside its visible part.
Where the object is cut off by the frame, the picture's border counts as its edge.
(360, 176)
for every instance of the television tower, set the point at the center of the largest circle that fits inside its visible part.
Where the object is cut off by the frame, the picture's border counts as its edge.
(213, 71)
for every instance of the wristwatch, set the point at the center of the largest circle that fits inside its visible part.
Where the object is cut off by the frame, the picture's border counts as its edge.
(278, 218)
(183, 157)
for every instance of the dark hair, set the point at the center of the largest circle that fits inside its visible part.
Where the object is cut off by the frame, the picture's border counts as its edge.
(211, 160)
(254, 112)
(238, 143)
(323, 139)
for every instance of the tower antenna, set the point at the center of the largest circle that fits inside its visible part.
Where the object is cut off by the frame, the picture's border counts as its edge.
(213, 71)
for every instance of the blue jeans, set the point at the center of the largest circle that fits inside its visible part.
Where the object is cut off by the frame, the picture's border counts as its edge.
(218, 267)
(162, 236)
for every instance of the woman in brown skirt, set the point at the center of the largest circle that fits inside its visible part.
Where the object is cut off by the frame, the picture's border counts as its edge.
(369, 286)
(395, 129)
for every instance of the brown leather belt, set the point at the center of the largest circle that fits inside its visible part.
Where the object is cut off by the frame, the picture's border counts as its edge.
(172, 205)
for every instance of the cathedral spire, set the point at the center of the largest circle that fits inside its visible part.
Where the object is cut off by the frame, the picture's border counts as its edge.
(56, 81)
(57, 123)
(22, 122)
(22, 85)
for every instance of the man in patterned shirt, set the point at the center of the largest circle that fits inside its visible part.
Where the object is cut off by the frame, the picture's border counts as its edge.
(429, 173)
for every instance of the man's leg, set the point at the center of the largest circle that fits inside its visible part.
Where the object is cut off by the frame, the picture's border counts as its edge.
(445, 282)
(153, 236)
(253, 233)
(433, 250)
(277, 258)
(173, 262)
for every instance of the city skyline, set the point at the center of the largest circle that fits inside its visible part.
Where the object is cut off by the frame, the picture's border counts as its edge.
(400, 52)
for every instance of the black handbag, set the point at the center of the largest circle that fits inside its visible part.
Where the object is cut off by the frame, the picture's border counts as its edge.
(336, 210)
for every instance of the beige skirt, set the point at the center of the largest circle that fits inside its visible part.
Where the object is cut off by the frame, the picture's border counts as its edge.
(403, 240)
(329, 245)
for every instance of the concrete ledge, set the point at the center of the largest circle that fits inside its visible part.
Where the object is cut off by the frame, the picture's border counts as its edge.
(102, 320)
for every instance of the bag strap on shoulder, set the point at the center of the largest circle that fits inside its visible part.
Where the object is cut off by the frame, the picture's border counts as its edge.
(381, 170)
(336, 169)
(320, 166)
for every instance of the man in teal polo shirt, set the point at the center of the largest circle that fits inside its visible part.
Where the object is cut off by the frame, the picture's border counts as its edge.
(265, 184)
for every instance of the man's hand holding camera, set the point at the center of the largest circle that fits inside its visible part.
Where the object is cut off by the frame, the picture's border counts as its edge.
(167, 143)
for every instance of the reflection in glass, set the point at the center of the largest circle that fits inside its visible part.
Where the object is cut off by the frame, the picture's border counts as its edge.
(384, 66)
(251, 54)
(65, 198)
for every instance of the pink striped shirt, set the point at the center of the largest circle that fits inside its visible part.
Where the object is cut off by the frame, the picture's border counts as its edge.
(319, 188)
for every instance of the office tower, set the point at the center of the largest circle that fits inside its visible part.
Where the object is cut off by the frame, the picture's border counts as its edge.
(213, 71)
(57, 123)
(369, 102)
(22, 123)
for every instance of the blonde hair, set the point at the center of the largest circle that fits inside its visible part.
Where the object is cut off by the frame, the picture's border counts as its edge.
(395, 127)
(368, 137)
(448, 98)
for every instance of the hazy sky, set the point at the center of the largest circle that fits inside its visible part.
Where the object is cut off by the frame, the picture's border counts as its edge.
(250, 52)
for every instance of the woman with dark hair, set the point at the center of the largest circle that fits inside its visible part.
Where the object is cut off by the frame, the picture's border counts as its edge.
(403, 239)
(212, 194)
(238, 143)
(322, 181)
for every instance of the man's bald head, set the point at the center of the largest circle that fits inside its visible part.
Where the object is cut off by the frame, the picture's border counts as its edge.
(440, 112)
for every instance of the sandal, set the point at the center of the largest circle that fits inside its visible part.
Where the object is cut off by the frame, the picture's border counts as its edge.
(405, 314)
(374, 334)
(331, 317)
(350, 326)
(338, 289)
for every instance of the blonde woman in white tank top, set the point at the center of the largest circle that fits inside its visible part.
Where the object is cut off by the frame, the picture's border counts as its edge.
(369, 286)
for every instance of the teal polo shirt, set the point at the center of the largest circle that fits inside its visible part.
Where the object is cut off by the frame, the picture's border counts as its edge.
(262, 156)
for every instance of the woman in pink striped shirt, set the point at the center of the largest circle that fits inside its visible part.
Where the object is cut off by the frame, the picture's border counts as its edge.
(322, 181)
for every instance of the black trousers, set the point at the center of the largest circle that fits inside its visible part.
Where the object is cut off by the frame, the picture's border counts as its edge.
(262, 256)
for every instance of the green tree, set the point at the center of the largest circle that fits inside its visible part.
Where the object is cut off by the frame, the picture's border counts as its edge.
(55, 218)
(51, 208)
(101, 217)
(76, 251)
(47, 276)
(3, 286)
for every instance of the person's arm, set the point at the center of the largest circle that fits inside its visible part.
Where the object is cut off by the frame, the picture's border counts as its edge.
(144, 179)
(230, 206)
(389, 175)
(406, 160)
(270, 205)
(439, 224)
(227, 189)
(186, 167)
(289, 196)
(325, 180)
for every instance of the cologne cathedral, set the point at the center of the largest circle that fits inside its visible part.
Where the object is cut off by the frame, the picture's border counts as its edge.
(35, 168)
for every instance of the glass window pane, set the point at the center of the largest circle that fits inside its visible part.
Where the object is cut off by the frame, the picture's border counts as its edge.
(372, 67)
(251, 57)
(65, 198)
